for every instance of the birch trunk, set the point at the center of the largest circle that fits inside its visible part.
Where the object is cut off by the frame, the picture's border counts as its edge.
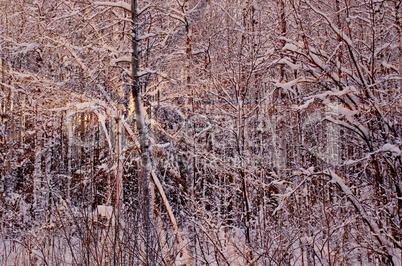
(119, 170)
(144, 140)
(146, 185)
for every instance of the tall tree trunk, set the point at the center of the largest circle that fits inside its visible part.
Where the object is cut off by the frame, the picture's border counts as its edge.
(118, 204)
(145, 184)
(398, 27)
(37, 173)
(69, 153)
(119, 169)
(144, 140)
(279, 124)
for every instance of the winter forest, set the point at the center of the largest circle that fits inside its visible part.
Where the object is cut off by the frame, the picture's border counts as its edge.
(200, 132)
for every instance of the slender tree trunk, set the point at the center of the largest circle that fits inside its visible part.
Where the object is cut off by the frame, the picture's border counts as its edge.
(37, 174)
(119, 189)
(398, 27)
(188, 55)
(69, 154)
(173, 222)
(279, 124)
(119, 170)
(145, 179)
(144, 140)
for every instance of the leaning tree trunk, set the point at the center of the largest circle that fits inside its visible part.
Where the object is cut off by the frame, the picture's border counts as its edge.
(146, 185)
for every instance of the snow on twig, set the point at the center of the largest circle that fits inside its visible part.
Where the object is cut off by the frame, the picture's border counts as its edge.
(283, 197)
(359, 207)
(121, 4)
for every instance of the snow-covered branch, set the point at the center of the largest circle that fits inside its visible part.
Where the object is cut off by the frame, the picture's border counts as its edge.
(119, 4)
